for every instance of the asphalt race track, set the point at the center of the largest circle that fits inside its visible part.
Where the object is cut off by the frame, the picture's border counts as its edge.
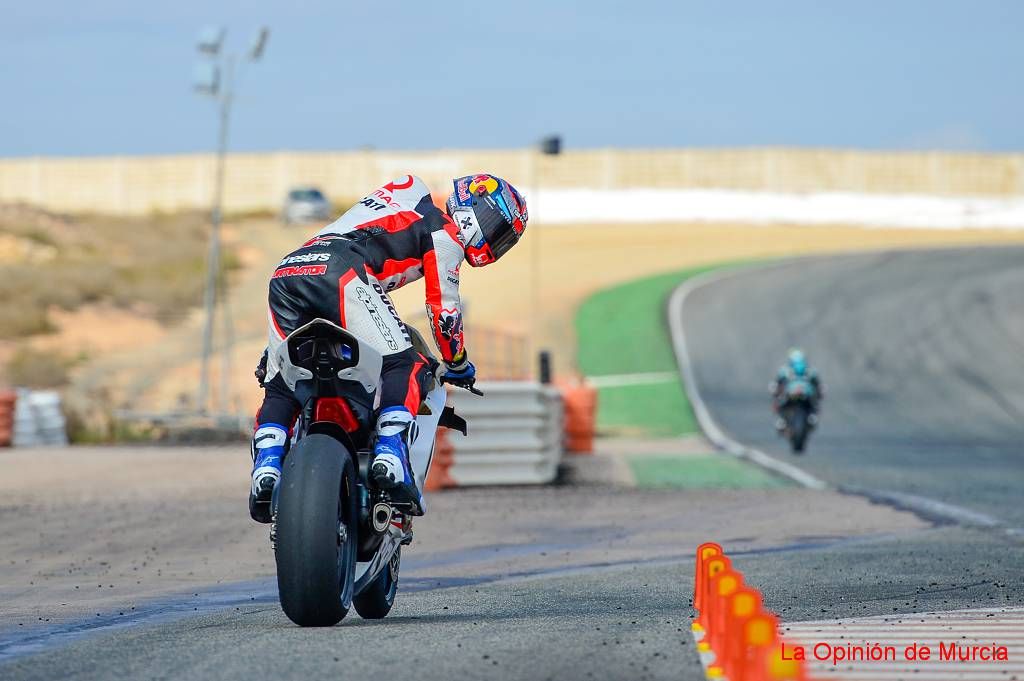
(922, 356)
(476, 631)
(919, 353)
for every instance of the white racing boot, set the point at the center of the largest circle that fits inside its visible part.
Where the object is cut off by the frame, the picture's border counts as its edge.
(268, 445)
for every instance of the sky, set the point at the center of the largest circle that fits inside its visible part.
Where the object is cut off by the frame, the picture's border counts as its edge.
(104, 77)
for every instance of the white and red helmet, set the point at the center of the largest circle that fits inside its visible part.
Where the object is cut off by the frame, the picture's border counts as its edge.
(490, 214)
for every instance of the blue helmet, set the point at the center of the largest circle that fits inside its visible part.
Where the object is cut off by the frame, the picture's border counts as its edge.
(797, 362)
(490, 214)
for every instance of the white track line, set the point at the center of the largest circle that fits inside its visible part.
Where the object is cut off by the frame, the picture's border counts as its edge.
(622, 380)
(983, 627)
(700, 410)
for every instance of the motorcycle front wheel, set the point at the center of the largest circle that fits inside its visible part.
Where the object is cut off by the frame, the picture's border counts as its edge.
(798, 429)
(317, 532)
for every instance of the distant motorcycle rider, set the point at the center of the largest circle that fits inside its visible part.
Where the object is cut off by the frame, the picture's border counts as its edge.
(392, 237)
(796, 368)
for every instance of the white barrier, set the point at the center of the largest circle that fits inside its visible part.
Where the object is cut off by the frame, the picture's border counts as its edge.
(39, 420)
(912, 211)
(515, 434)
(259, 181)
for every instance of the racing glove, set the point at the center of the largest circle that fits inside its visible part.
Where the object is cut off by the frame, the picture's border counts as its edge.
(460, 371)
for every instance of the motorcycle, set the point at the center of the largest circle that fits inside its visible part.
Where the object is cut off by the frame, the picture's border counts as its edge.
(337, 539)
(797, 413)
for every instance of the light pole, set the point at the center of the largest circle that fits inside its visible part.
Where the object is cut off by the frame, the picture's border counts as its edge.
(548, 146)
(215, 77)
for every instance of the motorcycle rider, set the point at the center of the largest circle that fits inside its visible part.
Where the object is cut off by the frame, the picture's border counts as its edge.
(392, 237)
(796, 368)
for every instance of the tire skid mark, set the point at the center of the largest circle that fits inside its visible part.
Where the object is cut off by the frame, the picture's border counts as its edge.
(261, 595)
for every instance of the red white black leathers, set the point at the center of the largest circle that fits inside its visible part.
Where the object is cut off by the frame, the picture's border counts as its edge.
(392, 237)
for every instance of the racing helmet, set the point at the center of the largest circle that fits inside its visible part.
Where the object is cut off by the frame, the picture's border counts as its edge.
(797, 362)
(490, 214)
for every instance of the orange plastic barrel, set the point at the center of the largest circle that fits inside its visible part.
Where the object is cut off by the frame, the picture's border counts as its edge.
(580, 417)
(439, 476)
(7, 400)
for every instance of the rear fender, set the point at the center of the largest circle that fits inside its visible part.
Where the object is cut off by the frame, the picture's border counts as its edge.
(335, 431)
(364, 369)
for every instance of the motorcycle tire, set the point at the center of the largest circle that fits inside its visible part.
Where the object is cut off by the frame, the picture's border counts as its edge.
(376, 600)
(317, 532)
(798, 430)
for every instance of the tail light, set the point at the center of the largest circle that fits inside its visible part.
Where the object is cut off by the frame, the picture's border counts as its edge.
(336, 410)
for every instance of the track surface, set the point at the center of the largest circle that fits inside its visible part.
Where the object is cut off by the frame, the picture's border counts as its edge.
(921, 354)
(592, 583)
(631, 620)
(583, 581)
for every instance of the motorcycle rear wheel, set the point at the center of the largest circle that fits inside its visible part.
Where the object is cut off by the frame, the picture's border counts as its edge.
(317, 532)
(376, 600)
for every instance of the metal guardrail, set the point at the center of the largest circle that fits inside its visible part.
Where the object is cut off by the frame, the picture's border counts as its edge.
(39, 419)
(515, 434)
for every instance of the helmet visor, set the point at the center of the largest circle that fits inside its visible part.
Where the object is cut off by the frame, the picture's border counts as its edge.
(500, 235)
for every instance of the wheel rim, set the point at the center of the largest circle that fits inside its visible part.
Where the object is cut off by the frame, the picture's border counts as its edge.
(346, 543)
(392, 575)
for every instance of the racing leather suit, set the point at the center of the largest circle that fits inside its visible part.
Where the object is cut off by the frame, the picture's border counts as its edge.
(392, 237)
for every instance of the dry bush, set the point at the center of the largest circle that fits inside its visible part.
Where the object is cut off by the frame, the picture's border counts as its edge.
(18, 321)
(154, 265)
(29, 368)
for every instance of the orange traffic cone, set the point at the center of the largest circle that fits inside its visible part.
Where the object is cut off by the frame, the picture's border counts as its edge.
(780, 667)
(711, 567)
(741, 605)
(723, 585)
(704, 551)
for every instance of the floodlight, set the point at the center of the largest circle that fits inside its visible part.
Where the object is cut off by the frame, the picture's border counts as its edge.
(210, 39)
(551, 145)
(259, 43)
(206, 78)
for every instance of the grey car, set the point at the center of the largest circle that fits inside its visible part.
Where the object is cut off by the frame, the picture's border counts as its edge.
(305, 204)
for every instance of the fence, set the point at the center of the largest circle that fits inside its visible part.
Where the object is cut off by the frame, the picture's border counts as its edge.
(498, 354)
(259, 181)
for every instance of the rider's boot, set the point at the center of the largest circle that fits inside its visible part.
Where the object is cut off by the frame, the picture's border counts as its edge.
(391, 470)
(268, 446)
(780, 424)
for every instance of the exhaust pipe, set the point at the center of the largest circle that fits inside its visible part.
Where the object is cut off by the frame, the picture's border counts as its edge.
(381, 517)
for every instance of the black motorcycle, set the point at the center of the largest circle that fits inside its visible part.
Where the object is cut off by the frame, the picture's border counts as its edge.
(797, 411)
(337, 538)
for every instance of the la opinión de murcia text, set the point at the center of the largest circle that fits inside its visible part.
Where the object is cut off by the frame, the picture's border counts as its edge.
(823, 651)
